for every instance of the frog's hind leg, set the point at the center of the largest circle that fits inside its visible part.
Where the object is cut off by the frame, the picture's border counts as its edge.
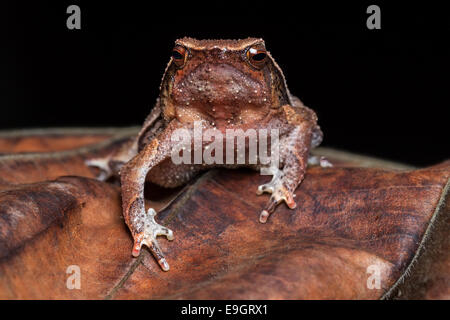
(111, 164)
(316, 140)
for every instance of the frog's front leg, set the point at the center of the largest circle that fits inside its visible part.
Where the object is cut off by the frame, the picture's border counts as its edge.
(142, 224)
(294, 155)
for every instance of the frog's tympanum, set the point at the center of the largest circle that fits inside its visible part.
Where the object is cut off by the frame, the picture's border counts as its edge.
(222, 84)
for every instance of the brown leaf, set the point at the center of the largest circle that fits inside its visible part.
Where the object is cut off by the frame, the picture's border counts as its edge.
(349, 222)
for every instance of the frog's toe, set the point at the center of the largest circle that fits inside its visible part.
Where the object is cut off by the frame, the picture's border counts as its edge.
(319, 161)
(325, 163)
(278, 195)
(148, 237)
(102, 165)
(277, 187)
(268, 188)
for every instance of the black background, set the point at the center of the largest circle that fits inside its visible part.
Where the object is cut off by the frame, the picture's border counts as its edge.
(378, 92)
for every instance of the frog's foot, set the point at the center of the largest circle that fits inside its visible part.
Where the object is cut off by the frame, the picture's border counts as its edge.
(103, 165)
(279, 193)
(322, 161)
(151, 229)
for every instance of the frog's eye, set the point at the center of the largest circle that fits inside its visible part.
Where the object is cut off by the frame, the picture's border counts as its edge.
(179, 55)
(257, 55)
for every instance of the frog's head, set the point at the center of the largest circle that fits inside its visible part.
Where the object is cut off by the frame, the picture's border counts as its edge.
(220, 78)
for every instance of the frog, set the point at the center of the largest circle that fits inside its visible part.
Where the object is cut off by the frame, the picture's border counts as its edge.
(222, 84)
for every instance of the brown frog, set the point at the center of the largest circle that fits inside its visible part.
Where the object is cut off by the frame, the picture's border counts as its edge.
(221, 84)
